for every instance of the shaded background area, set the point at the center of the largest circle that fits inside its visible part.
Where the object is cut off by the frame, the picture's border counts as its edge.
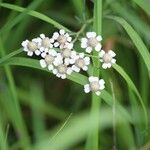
(47, 101)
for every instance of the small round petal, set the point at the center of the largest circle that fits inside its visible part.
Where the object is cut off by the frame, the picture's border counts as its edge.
(24, 43)
(71, 61)
(102, 87)
(55, 35)
(104, 65)
(69, 39)
(87, 60)
(101, 82)
(56, 44)
(81, 55)
(85, 68)
(101, 53)
(88, 49)
(69, 45)
(43, 63)
(84, 40)
(87, 88)
(92, 79)
(109, 65)
(99, 38)
(62, 32)
(91, 34)
(98, 47)
(63, 76)
(101, 60)
(42, 49)
(55, 71)
(110, 52)
(42, 36)
(37, 52)
(84, 45)
(66, 35)
(29, 53)
(50, 67)
(98, 93)
(69, 71)
(113, 61)
(67, 61)
(75, 68)
(43, 54)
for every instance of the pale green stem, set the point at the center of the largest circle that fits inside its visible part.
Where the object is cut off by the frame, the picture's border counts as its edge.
(93, 138)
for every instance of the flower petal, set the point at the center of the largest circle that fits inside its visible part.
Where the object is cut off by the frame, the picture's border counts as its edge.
(43, 63)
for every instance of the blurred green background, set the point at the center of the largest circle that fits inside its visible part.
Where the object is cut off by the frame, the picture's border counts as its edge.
(47, 104)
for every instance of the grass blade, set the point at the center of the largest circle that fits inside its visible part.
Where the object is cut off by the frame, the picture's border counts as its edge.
(144, 4)
(76, 77)
(134, 89)
(34, 14)
(142, 49)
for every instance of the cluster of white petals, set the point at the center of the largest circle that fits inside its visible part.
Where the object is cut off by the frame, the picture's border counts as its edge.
(95, 85)
(65, 60)
(107, 58)
(91, 42)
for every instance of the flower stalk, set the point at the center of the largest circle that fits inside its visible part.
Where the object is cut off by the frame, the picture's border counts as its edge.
(97, 27)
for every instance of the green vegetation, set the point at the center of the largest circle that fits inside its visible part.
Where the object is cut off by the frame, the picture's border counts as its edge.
(39, 111)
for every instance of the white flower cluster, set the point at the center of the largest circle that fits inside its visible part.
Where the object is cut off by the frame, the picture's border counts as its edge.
(60, 63)
(66, 60)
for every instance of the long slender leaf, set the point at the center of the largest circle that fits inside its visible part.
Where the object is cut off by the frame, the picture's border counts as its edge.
(133, 87)
(142, 49)
(34, 14)
(144, 4)
(13, 21)
(76, 77)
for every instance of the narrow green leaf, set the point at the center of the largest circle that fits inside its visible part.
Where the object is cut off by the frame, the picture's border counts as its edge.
(143, 51)
(34, 14)
(13, 20)
(144, 4)
(7, 57)
(133, 87)
(45, 108)
(76, 77)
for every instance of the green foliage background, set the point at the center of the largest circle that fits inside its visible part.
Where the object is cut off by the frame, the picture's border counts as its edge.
(40, 111)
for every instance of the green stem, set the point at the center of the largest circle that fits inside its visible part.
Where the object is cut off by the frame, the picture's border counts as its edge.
(93, 138)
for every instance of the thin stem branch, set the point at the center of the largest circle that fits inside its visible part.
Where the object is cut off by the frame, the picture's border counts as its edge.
(82, 29)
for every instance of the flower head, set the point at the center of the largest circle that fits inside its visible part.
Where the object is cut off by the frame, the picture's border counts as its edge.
(91, 41)
(45, 43)
(48, 60)
(107, 58)
(68, 56)
(31, 47)
(62, 70)
(62, 39)
(81, 62)
(95, 85)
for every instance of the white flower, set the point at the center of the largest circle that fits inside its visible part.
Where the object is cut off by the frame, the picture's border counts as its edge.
(62, 39)
(92, 41)
(62, 70)
(68, 56)
(95, 85)
(31, 47)
(58, 60)
(45, 43)
(81, 62)
(107, 58)
(48, 59)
